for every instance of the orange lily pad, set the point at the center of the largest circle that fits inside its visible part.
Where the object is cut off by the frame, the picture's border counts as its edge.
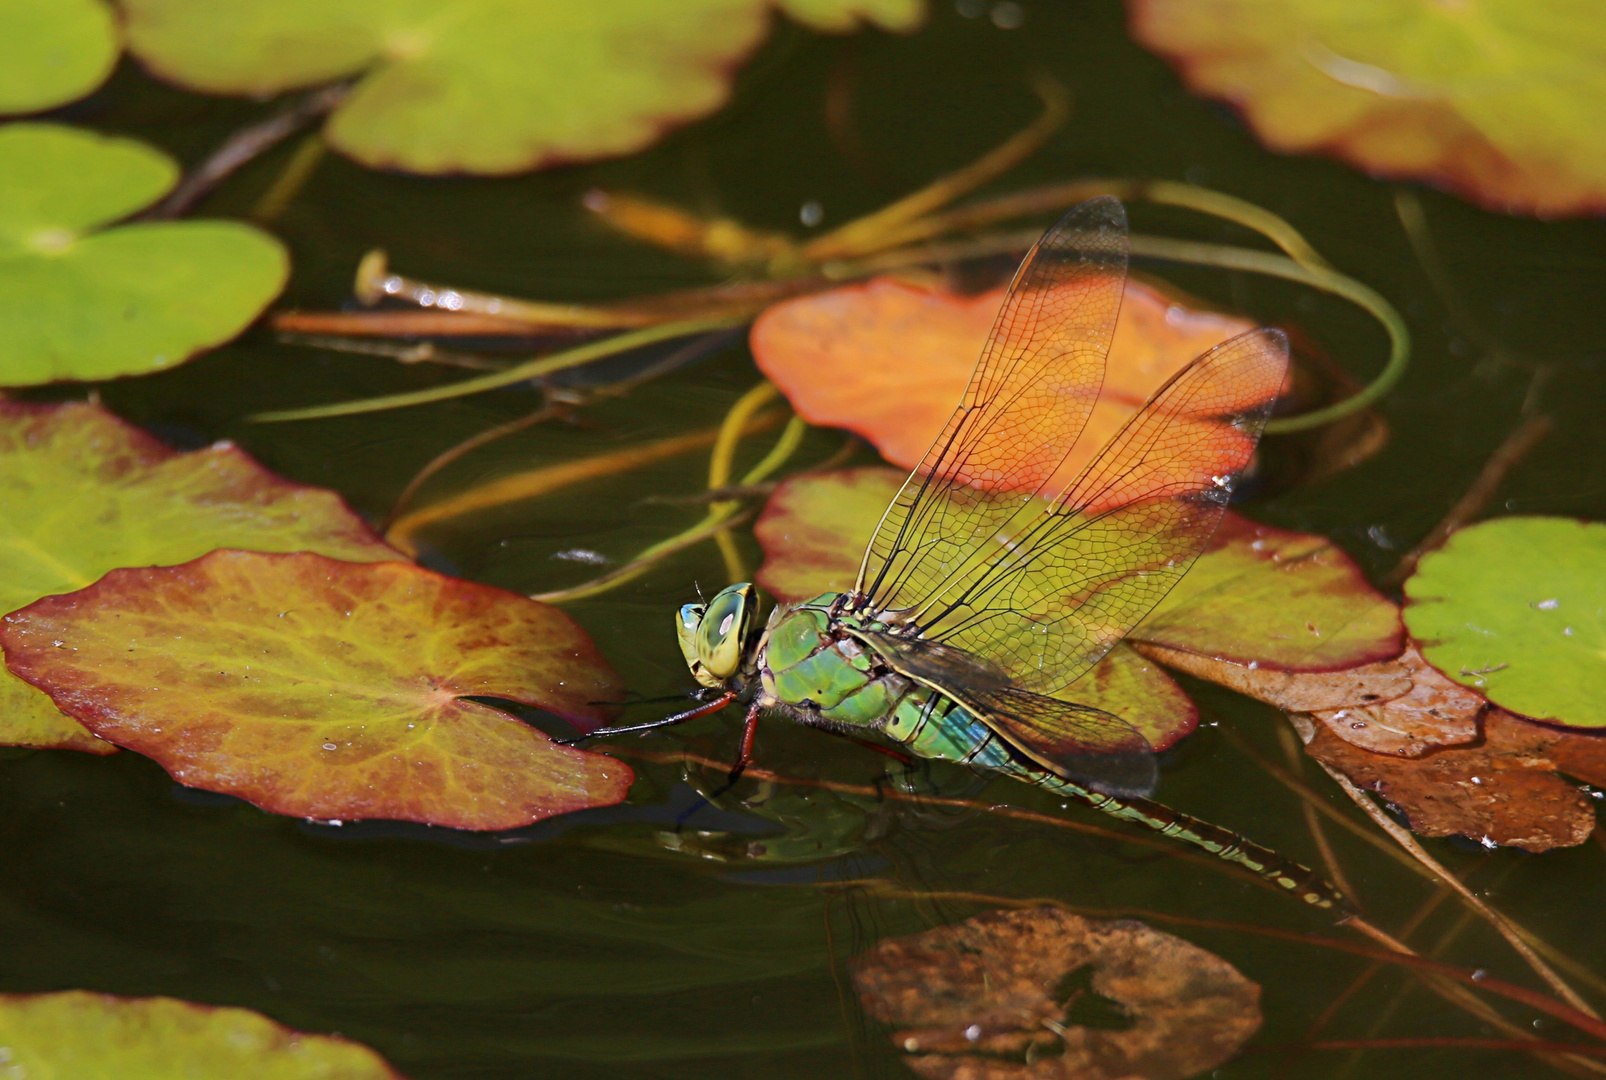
(887, 360)
(329, 689)
(81, 493)
(75, 1033)
(1498, 101)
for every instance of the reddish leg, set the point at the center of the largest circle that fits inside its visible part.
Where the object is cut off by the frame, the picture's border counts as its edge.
(744, 756)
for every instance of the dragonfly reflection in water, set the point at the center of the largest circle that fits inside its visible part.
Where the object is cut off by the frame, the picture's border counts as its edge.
(984, 594)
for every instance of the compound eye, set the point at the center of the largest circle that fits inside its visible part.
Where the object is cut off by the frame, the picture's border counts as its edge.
(723, 631)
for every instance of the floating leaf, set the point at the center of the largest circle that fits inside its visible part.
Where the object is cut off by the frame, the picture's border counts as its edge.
(80, 301)
(77, 1034)
(329, 689)
(1498, 101)
(1504, 791)
(1432, 713)
(888, 360)
(1513, 608)
(996, 996)
(54, 51)
(82, 493)
(1275, 599)
(813, 531)
(483, 86)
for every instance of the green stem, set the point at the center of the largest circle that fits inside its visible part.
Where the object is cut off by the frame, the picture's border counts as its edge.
(533, 369)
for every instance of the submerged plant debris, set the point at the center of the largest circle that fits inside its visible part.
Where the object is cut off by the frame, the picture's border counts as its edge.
(329, 689)
(996, 996)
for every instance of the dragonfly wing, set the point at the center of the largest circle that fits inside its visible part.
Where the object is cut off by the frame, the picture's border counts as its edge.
(1067, 581)
(1094, 748)
(1028, 401)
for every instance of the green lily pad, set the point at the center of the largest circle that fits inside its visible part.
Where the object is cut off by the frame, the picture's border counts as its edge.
(483, 86)
(1514, 608)
(54, 51)
(82, 493)
(80, 1035)
(329, 689)
(80, 301)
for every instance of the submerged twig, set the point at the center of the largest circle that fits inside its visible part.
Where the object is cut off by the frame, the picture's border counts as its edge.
(244, 146)
(1313, 822)
(1517, 445)
(1501, 924)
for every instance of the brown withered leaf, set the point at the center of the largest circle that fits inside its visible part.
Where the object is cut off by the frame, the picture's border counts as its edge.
(995, 997)
(1400, 706)
(1434, 712)
(1503, 791)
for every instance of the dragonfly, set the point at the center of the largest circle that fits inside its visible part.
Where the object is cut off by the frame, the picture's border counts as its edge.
(989, 587)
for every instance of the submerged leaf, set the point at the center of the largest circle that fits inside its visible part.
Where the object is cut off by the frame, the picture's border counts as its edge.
(77, 1034)
(82, 493)
(1498, 101)
(54, 51)
(329, 689)
(888, 360)
(813, 531)
(1504, 791)
(81, 301)
(996, 996)
(482, 86)
(1514, 609)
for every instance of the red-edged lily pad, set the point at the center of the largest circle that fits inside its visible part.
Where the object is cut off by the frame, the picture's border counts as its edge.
(888, 360)
(81, 493)
(329, 689)
(1260, 604)
(77, 1034)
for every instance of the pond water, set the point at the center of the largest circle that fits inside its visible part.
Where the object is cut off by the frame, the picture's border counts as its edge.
(587, 946)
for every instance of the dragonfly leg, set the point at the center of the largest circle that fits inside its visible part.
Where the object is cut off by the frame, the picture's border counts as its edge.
(744, 756)
(679, 718)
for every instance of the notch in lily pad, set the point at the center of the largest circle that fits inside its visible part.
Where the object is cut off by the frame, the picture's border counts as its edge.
(81, 300)
(328, 689)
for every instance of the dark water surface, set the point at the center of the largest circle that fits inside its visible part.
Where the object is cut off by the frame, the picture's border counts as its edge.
(584, 948)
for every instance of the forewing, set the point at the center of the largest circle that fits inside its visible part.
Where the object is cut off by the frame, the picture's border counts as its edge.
(1027, 404)
(1089, 746)
(1060, 586)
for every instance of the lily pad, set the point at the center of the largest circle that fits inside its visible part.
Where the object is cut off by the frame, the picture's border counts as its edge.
(813, 531)
(887, 360)
(82, 493)
(482, 86)
(78, 1034)
(81, 301)
(997, 996)
(1505, 791)
(329, 689)
(54, 51)
(1433, 713)
(1514, 609)
(1275, 599)
(1498, 101)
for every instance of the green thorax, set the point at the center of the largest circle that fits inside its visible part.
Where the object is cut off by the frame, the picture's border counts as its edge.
(812, 667)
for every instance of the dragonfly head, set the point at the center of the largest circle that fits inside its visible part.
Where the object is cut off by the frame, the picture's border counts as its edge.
(713, 635)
